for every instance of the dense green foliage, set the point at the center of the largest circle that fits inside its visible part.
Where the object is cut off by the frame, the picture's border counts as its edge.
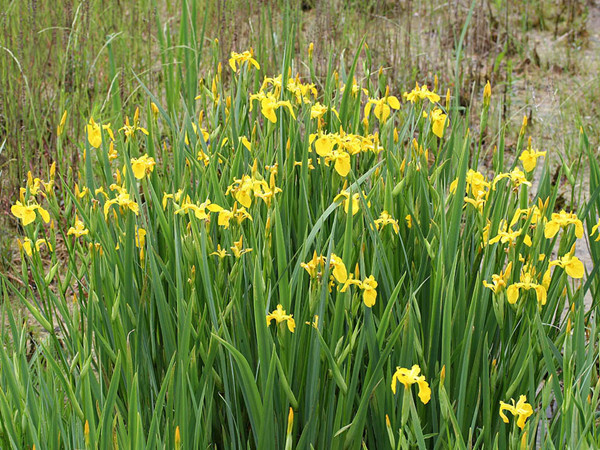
(170, 243)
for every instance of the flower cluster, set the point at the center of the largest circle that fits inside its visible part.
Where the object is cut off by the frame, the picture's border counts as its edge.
(232, 185)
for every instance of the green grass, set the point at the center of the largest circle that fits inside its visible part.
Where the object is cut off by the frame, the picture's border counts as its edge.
(138, 341)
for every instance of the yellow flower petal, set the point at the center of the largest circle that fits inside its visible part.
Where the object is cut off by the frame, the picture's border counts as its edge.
(393, 102)
(512, 293)
(551, 229)
(342, 164)
(369, 297)
(324, 146)
(424, 390)
(575, 268)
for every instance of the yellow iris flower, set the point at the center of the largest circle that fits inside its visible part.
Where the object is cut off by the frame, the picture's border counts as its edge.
(499, 281)
(142, 166)
(33, 184)
(237, 59)
(270, 104)
(280, 316)
(522, 410)
(131, 129)
(318, 110)
(302, 91)
(123, 200)
(339, 271)
(477, 203)
(246, 143)
(421, 93)
(112, 152)
(312, 265)
(274, 82)
(438, 121)
(562, 220)
(354, 198)
(571, 264)
(243, 189)
(78, 230)
(368, 286)
(26, 245)
(529, 159)
(140, 240)
(240, 214)
(176, 197)
(94, 133)
(527, 282)
(324, 147)
(516, 176)
(220, 252)
(411, 376)
(265, 191)
(355, 88)
(339, 268)
(238, 249)
(200, 211)
(508, 235)
(475, 183)
(341, 161)
(386, 219)
(27, 212)
(383, 106)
